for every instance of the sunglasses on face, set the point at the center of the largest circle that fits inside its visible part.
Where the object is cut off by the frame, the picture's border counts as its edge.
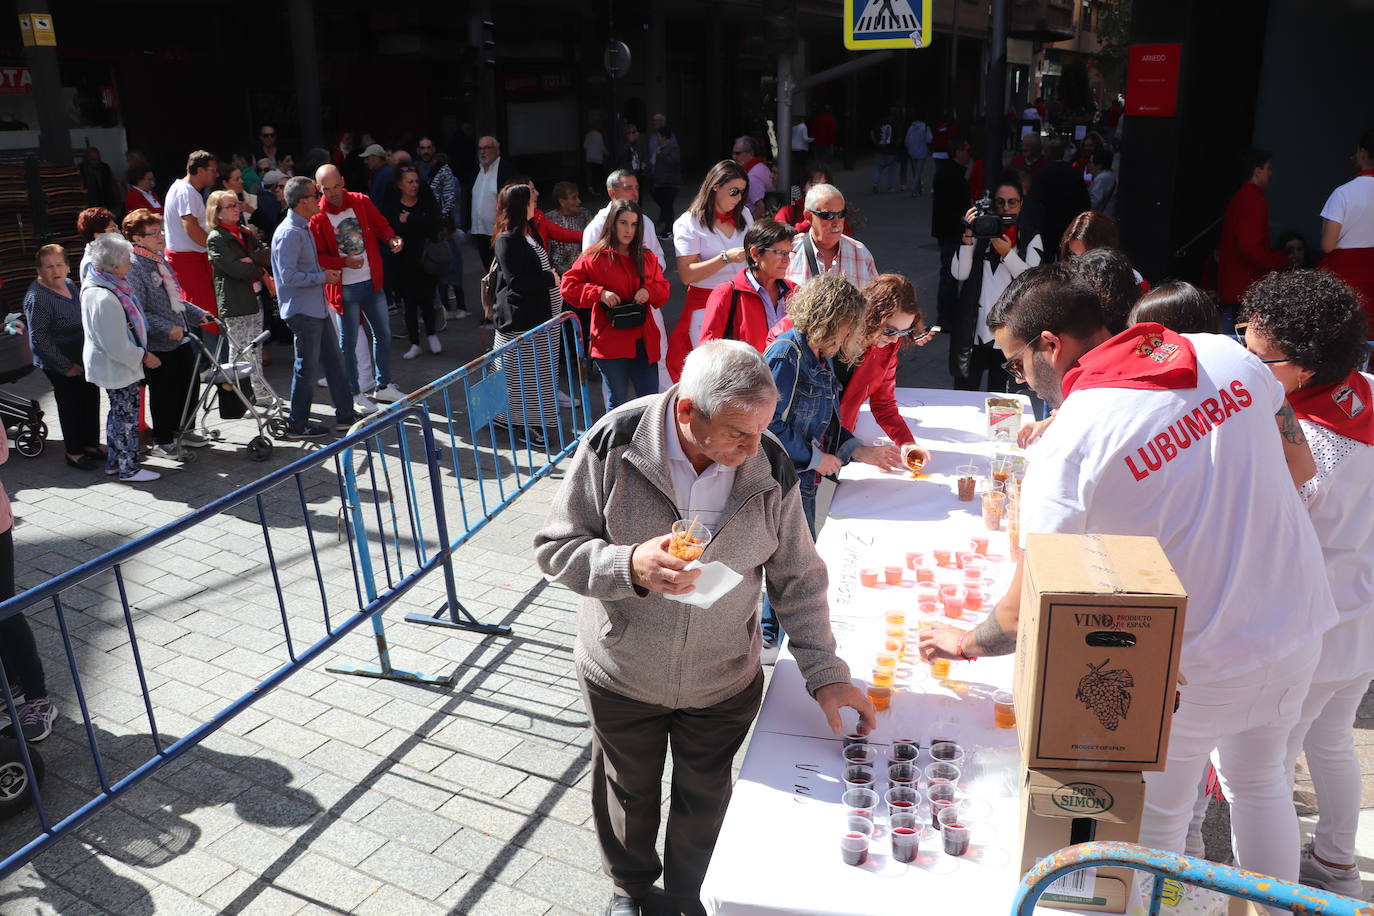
(267, 136)
(1015, 367)
(733, 192)
(891, 332)
(829, 215)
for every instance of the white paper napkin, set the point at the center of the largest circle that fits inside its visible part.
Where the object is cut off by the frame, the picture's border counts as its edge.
(716, 579)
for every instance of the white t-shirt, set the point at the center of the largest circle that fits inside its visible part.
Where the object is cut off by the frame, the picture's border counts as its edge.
(801, 138)
(349, 234)
(1352, 205)
(182, 200)
(484, 191)
(593, 232)
(691, 238)
(1202, 471)
(594, 147)
(1339, 502)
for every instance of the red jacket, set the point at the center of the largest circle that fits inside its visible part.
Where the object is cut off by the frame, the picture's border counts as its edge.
(751, 318)
(375, 230)
(874, 380)
(1245, 252)
(589, 277)
(824, 130)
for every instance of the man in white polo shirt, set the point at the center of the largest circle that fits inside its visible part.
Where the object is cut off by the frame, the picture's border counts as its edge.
(1173, 436)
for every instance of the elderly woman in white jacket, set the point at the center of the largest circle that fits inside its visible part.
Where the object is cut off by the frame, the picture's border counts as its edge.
(116, 350)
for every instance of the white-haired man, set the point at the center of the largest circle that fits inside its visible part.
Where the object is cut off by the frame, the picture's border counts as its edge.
(825, 247)
(658, 673)
(760, 175)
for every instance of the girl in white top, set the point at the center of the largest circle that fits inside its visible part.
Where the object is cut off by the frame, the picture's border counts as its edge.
(1311, 331)
(709, 242)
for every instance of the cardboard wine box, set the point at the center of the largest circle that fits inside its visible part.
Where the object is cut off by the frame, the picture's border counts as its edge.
(1097, 652)
(1063, 807)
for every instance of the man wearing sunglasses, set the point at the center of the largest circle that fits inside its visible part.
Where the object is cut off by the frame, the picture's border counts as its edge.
(825, 247)
(1172, 436)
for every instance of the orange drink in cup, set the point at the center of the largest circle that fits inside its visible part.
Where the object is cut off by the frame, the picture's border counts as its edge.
(886, 659)
(880, 697)
(939, 668)
(1003, 709)
(892, 575)
(688, 540)
(868, 577)
(882, 677)
(895, 619)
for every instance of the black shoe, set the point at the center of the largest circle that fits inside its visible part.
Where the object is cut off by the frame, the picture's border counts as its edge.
(622, 906)
(308, 431)
(535, 437)
(82, 463)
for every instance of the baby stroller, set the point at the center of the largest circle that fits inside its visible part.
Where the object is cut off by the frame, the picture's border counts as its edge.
(228, 388)
(24, 414)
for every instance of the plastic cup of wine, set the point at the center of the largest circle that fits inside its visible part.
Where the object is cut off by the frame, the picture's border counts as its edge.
(862, 802)
(904, 830)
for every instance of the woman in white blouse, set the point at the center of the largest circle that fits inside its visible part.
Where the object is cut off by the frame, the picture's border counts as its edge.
(709, 241)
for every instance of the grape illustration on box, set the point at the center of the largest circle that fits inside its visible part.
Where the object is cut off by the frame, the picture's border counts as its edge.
(1106, 693)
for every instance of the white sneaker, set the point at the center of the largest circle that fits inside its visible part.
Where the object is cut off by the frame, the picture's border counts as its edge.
(194, 440)
(413, 352)
(363, 404)
(142, 475)
(389, 393)
(564, 400)
(434, 345)
(323, 382)
(460, 313)
(1341, 880)
(169, 450)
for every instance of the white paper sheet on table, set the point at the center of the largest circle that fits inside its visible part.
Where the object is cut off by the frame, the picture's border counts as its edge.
(778, 851)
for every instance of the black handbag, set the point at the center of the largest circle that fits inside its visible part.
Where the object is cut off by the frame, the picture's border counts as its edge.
(628, 314)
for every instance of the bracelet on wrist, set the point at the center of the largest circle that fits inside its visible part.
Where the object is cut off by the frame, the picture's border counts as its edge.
(960, 649)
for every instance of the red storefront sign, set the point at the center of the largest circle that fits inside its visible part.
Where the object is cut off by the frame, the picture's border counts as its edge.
(1152, 80)
(15, 81)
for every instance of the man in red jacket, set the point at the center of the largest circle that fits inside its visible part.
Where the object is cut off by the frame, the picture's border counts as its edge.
(348, 231)
(1245, 252)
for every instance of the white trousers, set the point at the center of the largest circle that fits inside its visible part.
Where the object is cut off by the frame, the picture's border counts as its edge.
(1238, 721)
(1326, 731)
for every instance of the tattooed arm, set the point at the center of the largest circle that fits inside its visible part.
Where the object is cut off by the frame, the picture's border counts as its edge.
(994, 636)
(1295, 451)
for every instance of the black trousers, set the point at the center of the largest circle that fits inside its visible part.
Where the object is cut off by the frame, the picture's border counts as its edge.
(484, 253)
(986, 359)
(168, 387)
(664, 195)
(18, 651)
(417, 292)
(78, 410)
(630, 743)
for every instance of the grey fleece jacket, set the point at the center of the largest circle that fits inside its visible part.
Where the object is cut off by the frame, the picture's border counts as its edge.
(617, 493)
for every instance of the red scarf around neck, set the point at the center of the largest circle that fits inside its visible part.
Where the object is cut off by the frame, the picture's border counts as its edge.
(727, 217)
(1147, 356)
(1344, 407)
(235, 230)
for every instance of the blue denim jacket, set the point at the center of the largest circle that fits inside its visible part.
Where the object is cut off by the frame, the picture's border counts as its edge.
(809, 400)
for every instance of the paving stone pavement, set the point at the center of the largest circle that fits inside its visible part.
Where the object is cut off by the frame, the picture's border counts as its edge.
(330, 794)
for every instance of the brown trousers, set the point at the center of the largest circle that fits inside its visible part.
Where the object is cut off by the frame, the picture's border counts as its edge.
(630, 741)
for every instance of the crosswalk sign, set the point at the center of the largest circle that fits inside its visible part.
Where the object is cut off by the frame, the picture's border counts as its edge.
(887, 24)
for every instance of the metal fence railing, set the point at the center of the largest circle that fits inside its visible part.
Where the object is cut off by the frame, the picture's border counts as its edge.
(1175, 869)
(280, 592)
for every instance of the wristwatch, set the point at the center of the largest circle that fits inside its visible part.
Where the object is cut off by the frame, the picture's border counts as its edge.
(724, 258)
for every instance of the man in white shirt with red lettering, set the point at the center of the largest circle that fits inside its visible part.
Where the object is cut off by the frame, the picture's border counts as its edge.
(1173, 436)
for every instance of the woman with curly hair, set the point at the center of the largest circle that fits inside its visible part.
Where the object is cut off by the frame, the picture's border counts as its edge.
(1309, 328)
(91, 222)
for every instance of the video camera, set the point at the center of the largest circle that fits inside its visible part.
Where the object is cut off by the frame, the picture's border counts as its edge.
(987, 223)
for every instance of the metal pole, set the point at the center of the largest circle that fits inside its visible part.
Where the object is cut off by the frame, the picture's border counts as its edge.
(306, 63)
(784, 128)
(996, 94)
(54, 137)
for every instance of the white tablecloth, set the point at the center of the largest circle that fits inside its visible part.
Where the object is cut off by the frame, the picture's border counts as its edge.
(778, 851)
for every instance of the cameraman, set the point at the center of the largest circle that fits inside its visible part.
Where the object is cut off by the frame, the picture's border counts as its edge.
(1001, 259)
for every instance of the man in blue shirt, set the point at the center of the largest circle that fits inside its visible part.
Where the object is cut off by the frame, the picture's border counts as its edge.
(300, 290)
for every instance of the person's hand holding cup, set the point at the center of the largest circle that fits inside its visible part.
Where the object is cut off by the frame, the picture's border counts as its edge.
(659, 564)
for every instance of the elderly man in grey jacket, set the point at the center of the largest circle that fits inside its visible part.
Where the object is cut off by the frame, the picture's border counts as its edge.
(658, 673)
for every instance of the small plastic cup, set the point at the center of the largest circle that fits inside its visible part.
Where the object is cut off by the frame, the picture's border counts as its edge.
(904, 750)
(944, 793)
(973, 599)
(954, 604)
(939, 668)
(1003, 709)
(905, 833)
(895, 619)
(892, 575)
(943, 558)
(914, 558)
(927, 591)
(994, 504)
(902, 799)
(868, 577)
(940, 771)
(854, 845)
(861, 755)
(903, 774)
(924, 573)
(858, 777)
(882, 676)
(894, 645)
(965, 557)
(942, 731)
(880, 697)
(861, 802)
(974, 571)
(853, 738)
(688, 539)
(947, 752)
(979, 545)
(886, 659)
(956, 831)
(926, 608)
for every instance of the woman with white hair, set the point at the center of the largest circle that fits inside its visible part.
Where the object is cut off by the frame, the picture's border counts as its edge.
(116, 350)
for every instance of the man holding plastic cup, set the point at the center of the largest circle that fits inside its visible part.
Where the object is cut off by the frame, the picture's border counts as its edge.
(1173, 436)
(658, 672)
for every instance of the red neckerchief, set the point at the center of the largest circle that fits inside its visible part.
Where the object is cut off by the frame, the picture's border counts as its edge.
(750, 164)
(1362, 172)
(235, 230)
(726, 217)
(1011, 234)
(1344, 407)
(1147, 356)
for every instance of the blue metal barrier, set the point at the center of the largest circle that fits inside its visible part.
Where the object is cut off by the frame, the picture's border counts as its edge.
(277, 503)
(500, 407)
(1183, 869)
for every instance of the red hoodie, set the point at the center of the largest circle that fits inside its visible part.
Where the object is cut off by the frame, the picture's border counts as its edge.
(1246, 254)
(375, 229)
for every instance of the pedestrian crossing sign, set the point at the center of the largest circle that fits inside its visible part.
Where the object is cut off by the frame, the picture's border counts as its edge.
(887, 24)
